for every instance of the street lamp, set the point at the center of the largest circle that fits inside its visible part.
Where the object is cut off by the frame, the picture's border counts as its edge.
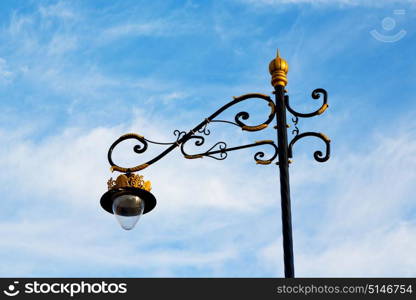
(128, 197)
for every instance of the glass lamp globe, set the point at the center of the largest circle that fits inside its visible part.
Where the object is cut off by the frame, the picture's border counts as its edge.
(128, 209)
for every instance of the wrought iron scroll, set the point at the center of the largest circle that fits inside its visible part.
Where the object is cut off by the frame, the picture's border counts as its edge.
(220, 149)
(316, 94)
(217, 151)
(318, 155)
(295, 121)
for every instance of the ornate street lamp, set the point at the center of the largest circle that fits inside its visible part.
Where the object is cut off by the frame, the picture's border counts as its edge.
(128, 197)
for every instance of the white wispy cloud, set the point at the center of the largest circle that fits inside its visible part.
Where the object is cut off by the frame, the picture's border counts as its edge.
(6, 75)
(151, 28)
(61, 9)
(383, 252)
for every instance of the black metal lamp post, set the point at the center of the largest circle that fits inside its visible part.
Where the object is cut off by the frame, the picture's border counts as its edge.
(128, 197)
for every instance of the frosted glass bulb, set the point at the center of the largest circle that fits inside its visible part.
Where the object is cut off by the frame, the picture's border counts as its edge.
(128, 209)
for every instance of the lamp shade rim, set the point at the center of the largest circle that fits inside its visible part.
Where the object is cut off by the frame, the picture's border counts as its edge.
(108, 198)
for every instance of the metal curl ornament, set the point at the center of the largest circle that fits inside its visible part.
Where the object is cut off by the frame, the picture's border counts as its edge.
(179, 134)
(137, 149)
(259, 155)
(222, 147)
(204, 130)
(316, 94)
(295, 121)
(318, 155)
(222, 150)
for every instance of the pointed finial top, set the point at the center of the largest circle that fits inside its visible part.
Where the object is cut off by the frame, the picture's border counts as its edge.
(278, 68)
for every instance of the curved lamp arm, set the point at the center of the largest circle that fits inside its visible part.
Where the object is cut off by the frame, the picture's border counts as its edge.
(183, 137)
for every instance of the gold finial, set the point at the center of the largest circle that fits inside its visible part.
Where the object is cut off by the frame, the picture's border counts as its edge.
(278, 68)
(129, 180)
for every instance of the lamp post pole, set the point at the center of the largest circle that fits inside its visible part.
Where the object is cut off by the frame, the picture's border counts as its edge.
(284, 182)
(278, 69)
(128, 197)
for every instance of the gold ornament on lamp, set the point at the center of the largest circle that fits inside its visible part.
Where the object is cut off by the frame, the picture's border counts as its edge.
(129, 180)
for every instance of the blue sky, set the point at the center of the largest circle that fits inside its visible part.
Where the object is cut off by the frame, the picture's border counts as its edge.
(75, 75)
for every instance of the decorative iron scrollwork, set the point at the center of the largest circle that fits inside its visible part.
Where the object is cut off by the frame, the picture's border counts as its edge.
(318, 155)
(179, 134)
(316, 94)
(221, 152)
(140, 148)
(220, 149)
(204, 130)
(183, 137)
(295, 121)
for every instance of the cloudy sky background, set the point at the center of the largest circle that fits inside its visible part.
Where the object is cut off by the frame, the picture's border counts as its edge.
(75, 75)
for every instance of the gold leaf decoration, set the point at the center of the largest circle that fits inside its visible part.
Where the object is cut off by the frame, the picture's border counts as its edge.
(130, 180)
